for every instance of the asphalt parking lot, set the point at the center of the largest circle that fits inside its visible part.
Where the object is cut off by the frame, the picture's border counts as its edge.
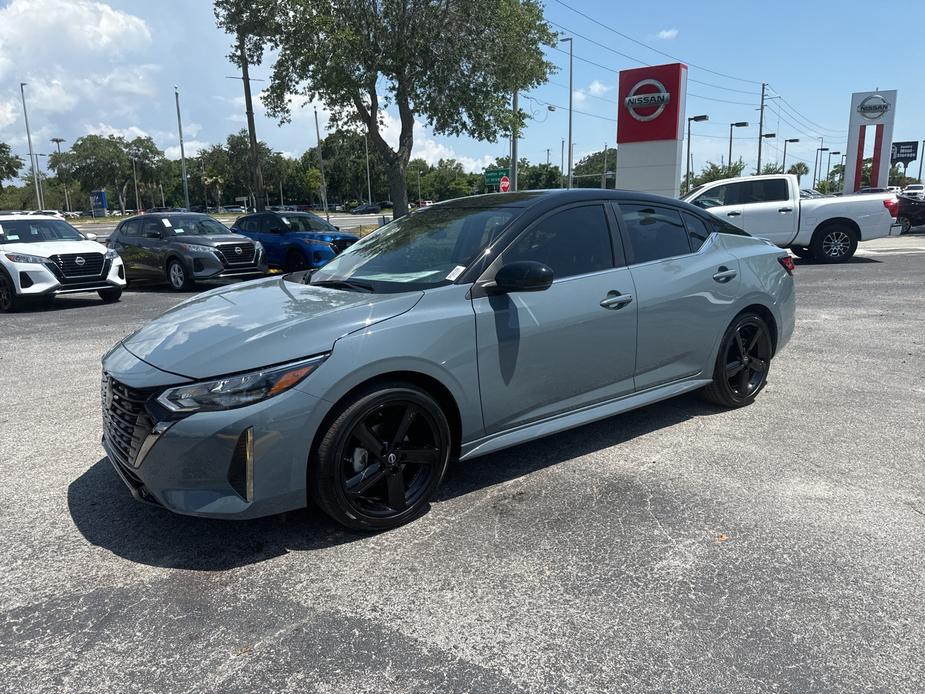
(676, 548)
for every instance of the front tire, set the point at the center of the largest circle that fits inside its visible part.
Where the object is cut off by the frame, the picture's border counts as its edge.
(110, 296)
(295, 262)
(834, 243)
(178, 277)
(742, 365)
(9, 302)
(382, 459)
(905, 225)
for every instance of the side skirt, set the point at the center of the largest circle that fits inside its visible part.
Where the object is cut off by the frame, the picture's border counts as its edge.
(570, 420)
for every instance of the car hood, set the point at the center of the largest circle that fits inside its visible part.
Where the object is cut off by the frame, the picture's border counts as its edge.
(211, 240)
(46, 249)
(326, 236)
(246, 326)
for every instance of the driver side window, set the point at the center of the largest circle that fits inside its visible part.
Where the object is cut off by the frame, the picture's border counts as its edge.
(720, 196)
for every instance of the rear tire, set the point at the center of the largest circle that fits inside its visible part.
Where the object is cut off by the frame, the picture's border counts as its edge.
(905, 225)
(743, 362)
(381, 460)
(178, 277)
(110, 296)
(295, 261)
(802, 252)
(834, 243)
(9, 302)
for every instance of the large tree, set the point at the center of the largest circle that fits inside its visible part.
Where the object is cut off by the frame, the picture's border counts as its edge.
(452, 63)
(10, 164)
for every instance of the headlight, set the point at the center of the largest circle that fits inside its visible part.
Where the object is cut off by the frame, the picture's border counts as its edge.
(258, 247)
(111, 254)
(196, 248)
(23, 258)
(239, 390)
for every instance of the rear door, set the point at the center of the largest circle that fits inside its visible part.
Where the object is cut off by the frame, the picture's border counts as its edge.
(685, 283)
(543, 353)
(152, 248)
(770, 210)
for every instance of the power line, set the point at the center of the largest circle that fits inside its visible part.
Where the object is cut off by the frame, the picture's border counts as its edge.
(797, 114)
(651, 48)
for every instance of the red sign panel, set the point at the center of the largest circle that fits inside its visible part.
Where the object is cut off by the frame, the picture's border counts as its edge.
(651, 100)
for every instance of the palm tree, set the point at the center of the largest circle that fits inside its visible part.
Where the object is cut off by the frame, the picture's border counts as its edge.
(799, 170)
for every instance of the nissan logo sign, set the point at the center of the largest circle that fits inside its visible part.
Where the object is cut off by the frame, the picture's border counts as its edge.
(237, 250)
(873, 107)
(80, 261)
(636, 101)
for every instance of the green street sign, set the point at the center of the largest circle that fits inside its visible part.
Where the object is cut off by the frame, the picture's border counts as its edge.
(493, 176)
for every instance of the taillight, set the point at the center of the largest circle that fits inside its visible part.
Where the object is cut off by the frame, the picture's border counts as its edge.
(787, 263)
(892, 205)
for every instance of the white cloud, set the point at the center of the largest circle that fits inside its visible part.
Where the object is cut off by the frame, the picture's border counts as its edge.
(104, 129)
(667, 34)
(8, 113)
(51, 97)
(190, 147)
(579, 97)
(598, 88)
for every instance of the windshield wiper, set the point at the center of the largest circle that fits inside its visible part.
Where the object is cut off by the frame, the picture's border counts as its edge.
(347, 285)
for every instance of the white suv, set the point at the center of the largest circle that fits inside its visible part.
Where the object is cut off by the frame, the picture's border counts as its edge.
(914, 190)
(42, 256)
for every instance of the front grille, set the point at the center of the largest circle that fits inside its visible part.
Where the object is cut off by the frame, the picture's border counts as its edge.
(126, 423)
(229, 253)
(341, 244)
(79, 264)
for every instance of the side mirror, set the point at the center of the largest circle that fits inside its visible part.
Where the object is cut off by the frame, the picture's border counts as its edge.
(523, 276)
(90, 236)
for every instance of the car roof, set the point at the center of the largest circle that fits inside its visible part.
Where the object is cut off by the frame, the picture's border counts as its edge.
(26, 216)
(560, 196)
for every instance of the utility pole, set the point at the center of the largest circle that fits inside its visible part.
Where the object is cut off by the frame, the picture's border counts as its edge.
(570, 89)
(816, 160)
(369, 185)
(514, 146)
(163, 202)
(562, 164)
(921, 156)
(547, 157)
(135, 179)
(35, 180)
(760, 129)
(281, 203)
(67, 201)
(256, 175)
(324, 188)
(604, 171)
(176, 93)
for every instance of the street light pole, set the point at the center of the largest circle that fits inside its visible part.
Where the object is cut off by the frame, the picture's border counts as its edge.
(784, 163)
(562, 164)
(135, 179)
(570, 52)
(828, 168)
(35, 180)
(67, 202)
(176, 93)
(921, 156)
(514, 135)
(324, 189)
(740, 124)
(760, 129)
(687, 177)
(816, 161)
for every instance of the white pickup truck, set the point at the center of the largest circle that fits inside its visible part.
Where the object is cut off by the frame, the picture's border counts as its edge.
(770, 207)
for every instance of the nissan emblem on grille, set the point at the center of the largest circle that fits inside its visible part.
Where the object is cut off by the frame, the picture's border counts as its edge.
(80, 261)
(237, 250)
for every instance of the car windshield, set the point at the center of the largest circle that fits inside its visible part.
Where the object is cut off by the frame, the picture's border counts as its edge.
(305, 222)
(195, 225)
(37, 231)
(423, 250)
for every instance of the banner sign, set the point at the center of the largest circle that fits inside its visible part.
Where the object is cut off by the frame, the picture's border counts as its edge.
(904, 152)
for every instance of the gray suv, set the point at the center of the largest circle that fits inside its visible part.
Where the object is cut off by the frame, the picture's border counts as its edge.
(182, 248)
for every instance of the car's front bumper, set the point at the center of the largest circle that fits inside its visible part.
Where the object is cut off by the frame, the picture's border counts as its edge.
(32, 279)
(242, 463)
(208, 266)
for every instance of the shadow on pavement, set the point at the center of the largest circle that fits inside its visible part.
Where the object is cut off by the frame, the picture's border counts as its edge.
(856, 260)
(108, 516)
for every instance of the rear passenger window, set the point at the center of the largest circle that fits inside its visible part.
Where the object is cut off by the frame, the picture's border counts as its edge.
(248, 224)
(571, 242)
(697, 230)
(132, 228)
(767, 190)
(654, 232)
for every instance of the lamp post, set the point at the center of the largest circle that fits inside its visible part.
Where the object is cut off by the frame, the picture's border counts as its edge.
(828, 167)
(32, 162)
(740, 124)
(784, 163)
(135, 179)
(67, 201)
(817, 163)
(765, 136)
(695, 119)
(570, 46)
(176, 93)
(816, 160)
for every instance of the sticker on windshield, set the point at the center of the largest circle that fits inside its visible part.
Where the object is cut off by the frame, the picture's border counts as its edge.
(12, 238)
(165, 222)
(455, 272)
(178, 230)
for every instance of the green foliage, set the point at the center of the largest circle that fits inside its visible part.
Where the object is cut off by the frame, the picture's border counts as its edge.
(451, 64)
(10, 164)
(587, 172)
(715, 172)
(772, 168)
(799, 170)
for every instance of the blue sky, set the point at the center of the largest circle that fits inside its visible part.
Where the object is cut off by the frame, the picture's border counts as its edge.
(110, 66)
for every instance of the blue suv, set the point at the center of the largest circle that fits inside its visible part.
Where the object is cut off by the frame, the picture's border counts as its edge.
(294, 240)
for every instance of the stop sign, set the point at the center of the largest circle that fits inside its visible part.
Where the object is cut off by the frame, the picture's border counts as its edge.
(504, 184)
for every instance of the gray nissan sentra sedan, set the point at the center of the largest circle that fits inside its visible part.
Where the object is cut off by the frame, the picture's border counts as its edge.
(465, 328)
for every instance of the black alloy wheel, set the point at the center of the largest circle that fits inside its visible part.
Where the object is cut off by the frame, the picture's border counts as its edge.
(7, 294)
(743, 362)
(835, 243)
(295, 261)
(382, 459)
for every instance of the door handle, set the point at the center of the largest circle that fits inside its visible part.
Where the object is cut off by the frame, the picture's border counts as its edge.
(734, 213)
(785, 209)
(615, 300)
(724, 274)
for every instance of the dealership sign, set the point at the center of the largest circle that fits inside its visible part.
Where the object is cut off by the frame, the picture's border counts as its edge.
(904, 152)
(870, 122)
(647, 100)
